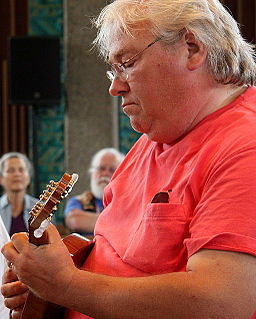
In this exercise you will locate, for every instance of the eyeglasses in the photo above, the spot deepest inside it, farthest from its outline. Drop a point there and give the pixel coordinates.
(103, 168)
(119, 70)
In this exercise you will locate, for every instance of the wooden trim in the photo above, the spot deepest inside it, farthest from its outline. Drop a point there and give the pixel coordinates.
(5, 118)
(13, 118)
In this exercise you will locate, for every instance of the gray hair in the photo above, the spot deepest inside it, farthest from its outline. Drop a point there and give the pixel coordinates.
(98, 156)
(21, 156)
(230, 58)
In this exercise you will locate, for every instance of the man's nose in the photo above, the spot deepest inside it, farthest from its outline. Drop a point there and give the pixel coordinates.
(118, 87)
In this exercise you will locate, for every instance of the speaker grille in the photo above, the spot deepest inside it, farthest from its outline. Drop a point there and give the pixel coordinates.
(34, 70)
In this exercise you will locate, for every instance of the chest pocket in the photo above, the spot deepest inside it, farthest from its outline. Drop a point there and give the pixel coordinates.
(157, 244)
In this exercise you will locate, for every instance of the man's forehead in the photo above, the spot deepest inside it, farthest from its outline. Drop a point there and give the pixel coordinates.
(123, 44)
(107, 156)
(119, 47)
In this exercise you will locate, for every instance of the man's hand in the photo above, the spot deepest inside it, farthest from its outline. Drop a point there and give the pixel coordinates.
(14, 292)
(47, 270)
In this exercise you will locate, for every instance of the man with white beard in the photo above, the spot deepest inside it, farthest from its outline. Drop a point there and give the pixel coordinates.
(82, 211)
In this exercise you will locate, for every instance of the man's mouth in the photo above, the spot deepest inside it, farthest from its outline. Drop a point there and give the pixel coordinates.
(104, 180)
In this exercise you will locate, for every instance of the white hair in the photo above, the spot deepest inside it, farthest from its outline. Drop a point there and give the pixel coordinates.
(98, 156)
(230, 58)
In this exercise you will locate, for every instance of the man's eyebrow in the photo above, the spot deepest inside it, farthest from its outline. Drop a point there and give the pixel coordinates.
(119, 54)
(116, 57)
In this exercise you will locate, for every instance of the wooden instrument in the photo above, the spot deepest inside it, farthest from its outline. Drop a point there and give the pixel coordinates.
(78, 246)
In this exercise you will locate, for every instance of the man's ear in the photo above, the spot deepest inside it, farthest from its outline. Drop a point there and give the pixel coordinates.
(196, 51)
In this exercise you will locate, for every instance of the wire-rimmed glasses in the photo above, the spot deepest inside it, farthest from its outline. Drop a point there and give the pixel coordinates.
(119, 70)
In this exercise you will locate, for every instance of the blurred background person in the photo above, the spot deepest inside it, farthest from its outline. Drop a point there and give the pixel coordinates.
(82, 211)
(15, 203)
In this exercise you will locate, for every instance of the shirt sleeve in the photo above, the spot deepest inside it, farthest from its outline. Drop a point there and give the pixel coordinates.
(225, 217)
(72, 203)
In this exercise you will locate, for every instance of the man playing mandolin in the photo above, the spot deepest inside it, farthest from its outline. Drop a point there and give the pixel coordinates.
(177, 238)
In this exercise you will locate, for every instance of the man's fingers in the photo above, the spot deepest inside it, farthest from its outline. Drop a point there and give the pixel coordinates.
(15, 296)
(53, 234)
(16, 302)
(9, 276)
(12, 247)
(19, 240)
(9, 252)
(13, 288)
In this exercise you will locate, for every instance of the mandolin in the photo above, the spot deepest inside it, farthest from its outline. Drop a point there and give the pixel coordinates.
(78, 246)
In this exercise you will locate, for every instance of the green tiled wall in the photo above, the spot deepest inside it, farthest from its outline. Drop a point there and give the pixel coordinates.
(47, 137)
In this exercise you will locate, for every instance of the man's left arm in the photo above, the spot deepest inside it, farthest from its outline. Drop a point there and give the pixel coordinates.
(216, 284)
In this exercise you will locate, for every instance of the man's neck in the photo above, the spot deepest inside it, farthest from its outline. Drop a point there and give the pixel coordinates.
(216, 98)
(232, 95)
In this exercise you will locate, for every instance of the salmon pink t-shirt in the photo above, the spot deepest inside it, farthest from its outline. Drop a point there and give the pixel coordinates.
(210, 178)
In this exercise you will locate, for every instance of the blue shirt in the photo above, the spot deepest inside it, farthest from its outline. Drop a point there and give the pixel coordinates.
(74, 203)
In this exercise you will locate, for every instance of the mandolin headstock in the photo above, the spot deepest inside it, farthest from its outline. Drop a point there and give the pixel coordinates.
(43, 210)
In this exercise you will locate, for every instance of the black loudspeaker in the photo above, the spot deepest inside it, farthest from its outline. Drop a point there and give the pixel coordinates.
(34, 70)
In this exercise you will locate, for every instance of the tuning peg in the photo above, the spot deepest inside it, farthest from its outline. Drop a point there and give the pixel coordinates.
(39, 205)
(53, 184)
(33, 212)
(69, 189)
(42, 197)
(45, 195)
(50, 188)
(64, 194)
(37, 209)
